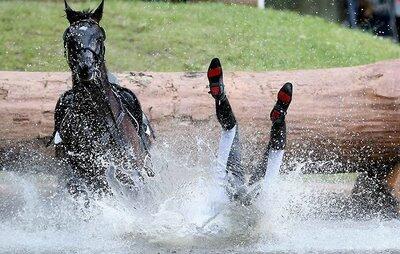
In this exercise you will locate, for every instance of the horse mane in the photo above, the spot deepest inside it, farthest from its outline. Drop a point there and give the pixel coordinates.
(82, 15)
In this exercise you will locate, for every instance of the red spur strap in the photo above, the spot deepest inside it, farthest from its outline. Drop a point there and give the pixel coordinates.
(215, 90)
(214, 72)
(284, 97)
(275, 115)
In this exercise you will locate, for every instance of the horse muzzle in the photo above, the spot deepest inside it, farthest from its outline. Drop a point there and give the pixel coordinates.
(86, 66)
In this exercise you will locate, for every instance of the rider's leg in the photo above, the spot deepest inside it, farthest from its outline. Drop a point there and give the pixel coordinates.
(229, 160)
(272, 159)
(229, 156)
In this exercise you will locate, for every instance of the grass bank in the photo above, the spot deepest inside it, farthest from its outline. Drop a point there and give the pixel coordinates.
(184, 37)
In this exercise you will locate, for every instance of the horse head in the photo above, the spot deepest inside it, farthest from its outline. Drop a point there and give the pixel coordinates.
(84, 43)
(110, 117)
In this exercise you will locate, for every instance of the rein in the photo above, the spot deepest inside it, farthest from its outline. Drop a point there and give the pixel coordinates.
(125, 132)
(113, 124)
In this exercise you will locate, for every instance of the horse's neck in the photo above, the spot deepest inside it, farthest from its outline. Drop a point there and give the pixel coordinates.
(95, 92)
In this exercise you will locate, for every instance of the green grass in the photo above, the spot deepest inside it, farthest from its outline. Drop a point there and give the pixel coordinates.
(184, 37)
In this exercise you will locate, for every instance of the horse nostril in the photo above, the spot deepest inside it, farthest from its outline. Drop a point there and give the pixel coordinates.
(85, 68)
(86, 65)
(85, 71)
(86, 61)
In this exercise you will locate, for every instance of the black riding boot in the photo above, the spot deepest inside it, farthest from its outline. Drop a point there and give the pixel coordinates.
(217, 89)
(278, 130)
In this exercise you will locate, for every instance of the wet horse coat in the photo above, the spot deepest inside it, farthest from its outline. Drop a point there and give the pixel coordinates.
(90, 136)
(98, 124)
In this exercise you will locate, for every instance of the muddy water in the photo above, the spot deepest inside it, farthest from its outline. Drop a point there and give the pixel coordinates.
(185, 209)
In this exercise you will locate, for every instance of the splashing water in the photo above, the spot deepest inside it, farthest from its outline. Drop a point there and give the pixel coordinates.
(183, 209)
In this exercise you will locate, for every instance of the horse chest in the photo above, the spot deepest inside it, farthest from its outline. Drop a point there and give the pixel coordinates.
(85, 130)
(92, 135)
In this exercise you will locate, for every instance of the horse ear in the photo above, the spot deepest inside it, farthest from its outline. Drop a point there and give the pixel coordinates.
(98, 13)
(71, 14)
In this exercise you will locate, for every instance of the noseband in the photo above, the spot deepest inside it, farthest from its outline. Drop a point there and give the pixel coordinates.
(97, 55)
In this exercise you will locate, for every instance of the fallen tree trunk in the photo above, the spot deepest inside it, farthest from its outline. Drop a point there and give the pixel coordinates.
(347, 115)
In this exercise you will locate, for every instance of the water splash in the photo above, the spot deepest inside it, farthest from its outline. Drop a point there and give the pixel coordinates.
(184, 208)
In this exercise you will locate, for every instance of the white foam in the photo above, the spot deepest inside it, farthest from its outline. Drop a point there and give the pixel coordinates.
(183, 208)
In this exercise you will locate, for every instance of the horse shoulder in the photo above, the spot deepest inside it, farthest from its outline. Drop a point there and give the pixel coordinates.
(64, 103)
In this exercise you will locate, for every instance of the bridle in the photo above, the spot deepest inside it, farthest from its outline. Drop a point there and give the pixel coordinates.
(66, 36)
(99, 56)
(114, 124)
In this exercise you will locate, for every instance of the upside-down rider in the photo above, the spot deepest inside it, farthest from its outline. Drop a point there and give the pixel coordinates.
(229, 166)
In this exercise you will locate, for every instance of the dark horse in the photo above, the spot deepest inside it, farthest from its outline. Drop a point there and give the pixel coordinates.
(100, 129)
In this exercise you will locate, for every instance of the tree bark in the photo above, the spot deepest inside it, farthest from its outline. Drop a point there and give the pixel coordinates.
(349, 116)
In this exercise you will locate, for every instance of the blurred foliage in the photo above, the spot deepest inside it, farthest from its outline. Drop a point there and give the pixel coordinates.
(161, 36)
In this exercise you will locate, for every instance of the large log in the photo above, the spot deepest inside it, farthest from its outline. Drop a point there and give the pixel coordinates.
(348, 115)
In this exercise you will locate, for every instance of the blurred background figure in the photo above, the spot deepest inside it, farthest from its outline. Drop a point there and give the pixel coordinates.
(377, 16)
(352, 11)
(381, 17)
